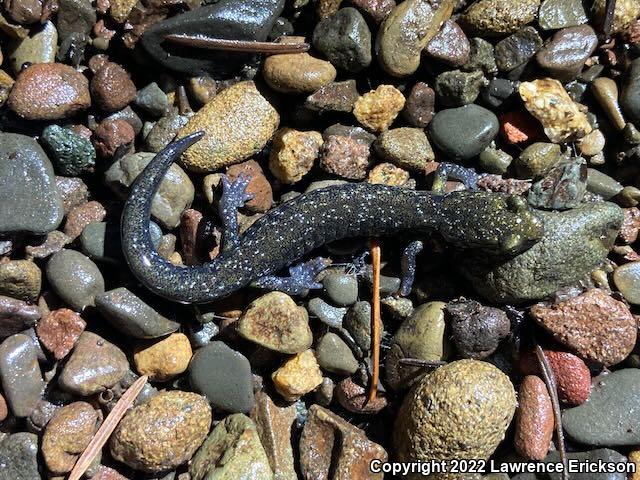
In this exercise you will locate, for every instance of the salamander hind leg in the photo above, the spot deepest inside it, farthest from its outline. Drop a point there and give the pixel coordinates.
(302, 278)
(234, 196)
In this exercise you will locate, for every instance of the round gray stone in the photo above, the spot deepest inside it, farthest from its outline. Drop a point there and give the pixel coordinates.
(74, 278)
(341, 288)
(22, 382)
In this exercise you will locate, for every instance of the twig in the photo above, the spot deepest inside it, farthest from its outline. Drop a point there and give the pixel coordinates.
(375, 321)
(550, 381)
(246, 46)
(184, 107)
(417, 362)
(106, 429)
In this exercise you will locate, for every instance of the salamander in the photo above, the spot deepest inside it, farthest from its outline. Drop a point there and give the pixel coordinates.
(495, 223)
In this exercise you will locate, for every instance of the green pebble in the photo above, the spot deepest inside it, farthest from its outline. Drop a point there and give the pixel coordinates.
(72, 154)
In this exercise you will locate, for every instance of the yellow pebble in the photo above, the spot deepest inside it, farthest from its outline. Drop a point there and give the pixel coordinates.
(298, 376)
(163, 359)
(378, 109)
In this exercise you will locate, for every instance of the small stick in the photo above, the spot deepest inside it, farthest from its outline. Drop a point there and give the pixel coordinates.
(375, 321)
(183, 101)
(247, 46)
(417, 362)
(106, 429)
(550, 381)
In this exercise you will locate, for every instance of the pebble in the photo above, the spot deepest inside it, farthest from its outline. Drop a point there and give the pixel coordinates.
(388, 174)
(274, 321)
(131, 316)
(327, 314)
(238, 123)
(20, 279)
(232, 450)
(71, 153)
(101, 241)
(420, 336)
(223, 376)
(293, 154)
(59, 331)
(461, 410)
(357, 321)
(630, 226)
(602, 184)
(17, 315)
(30, 200)
(624, 14)
(450, 45)
(297, 376)
(608, 418)
(534, 419)
(19, 457)
(353, 397)
(377, 109)
(112, 88)
(274, 422)
(258, 185)
(67, 435)
(39, 47)
(419, 107)
(494, 18)
(94, 365)
(73, 191)
(563, 187)
(152, 100)
(548, 101)
(345, 157)
(345, 39)
(592, 143)
(81, 216)
(49, 91)
(74, 278)
(498, 94)
(333, 97)
(6, 84)
(24, 11)
(481, 57)
(163, 359)
(335, 356)
(605, 91)
(164, 130)
(574, 243)
(111, 135)
(463, 132)
(175, 194)
(564, 55)
(556, 14)
(406, 32)
(330, 447)
(630, 92)
(517, 49)
(341, 288)
(495, 161)
(593, 324)
(627, 278)
(120, 9)
(22, 383)
(477, 330)
(573, 378)
(455, 88)
(162, 433)
(297, 73)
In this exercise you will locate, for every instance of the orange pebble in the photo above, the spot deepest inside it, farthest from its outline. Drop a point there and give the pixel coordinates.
(519, 127)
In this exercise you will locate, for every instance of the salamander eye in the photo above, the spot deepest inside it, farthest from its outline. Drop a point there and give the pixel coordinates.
(516, 204)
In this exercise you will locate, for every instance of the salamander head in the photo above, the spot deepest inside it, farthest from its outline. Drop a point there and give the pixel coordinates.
(493, 222)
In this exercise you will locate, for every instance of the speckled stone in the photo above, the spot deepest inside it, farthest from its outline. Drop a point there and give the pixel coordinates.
(22, 383)
(238, 122)
(163, 359)
(59, 331)
(132, 316)
(20, 279)
(333, 97)
(75, 278)
(81, 216)
(16, 316)
(39, 47)
(94, 366)
(223, 376)
(534, 419)
(354, 397)
(627, 279)
(71, 153)
(293, 154)
(162, 433)
(450, 45)
(112, 88)
(498, 17)
(19, 457)
(556, 14)
(377, 109)
(298, 376)
(326, 313)
(405, 147)
(296, 73)
(30, 200)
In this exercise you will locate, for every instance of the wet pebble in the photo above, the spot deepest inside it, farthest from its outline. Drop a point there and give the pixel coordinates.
(111, 135)
(335, 356)
(162, 433)
(534, 419)
(419, 107)
(16, 315)
(450, 45)
(49, 91)
(490, 18)
(94, 365)
(455, 88)
(345, 39)
(537, 159)
(152, 100)
(22, 383)
(19, 457)
(605, 91)
(293, 154)
(67, 435)
(72, 154)
(564, 55)
(564, 186)
(238, 123)
(81, 216)
(259, 187)
(388, 174)
(164, 130)
(30, 200)
(75, 278)
(517, 49)
(112, 88)
(297, 376)
(463, 132)
(275, 321)
(163, 359)
(377, 109)
(327, 314)
(607, 419)
(341, 288)
(602, 184)
(627, 280)
(334, 97)
(59, 331)
(39, 47)
(345, 157)
(555, 14)
(357, 321)
(20, 279)
(596, 326)
(223, 376)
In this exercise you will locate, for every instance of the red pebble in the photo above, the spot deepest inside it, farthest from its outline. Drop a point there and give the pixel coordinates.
(573, 377)
(519, 127)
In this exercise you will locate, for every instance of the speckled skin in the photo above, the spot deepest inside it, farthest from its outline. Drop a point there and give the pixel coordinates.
(492, 222)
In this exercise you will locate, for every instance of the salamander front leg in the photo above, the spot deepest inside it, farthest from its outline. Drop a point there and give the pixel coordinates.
(445, 171)
(408, 266)
(234, 196)
(302, 279)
